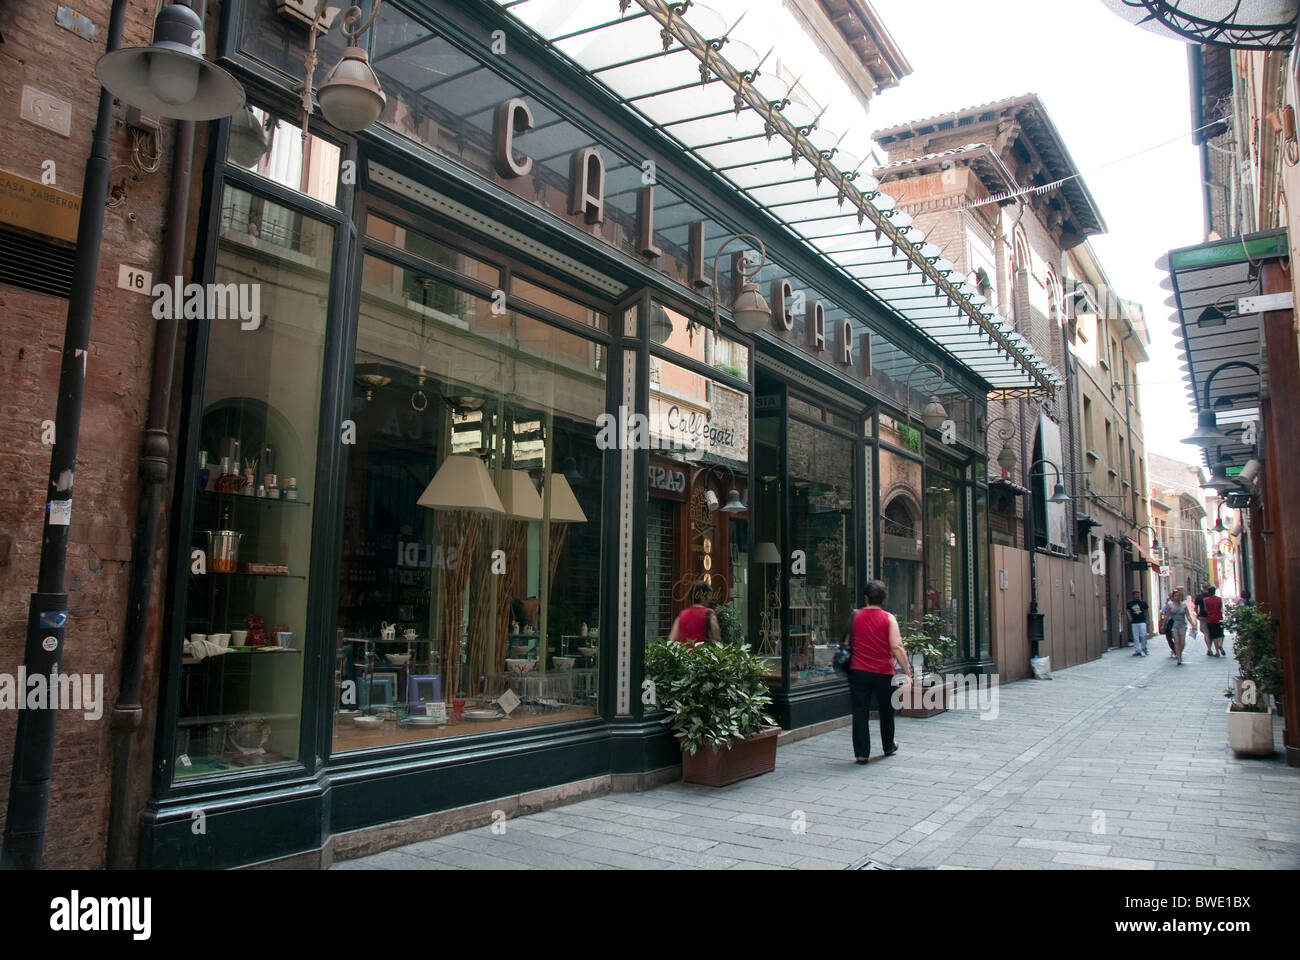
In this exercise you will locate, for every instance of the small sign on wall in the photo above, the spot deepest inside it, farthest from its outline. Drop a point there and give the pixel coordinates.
(134, 279)
(1004, 580)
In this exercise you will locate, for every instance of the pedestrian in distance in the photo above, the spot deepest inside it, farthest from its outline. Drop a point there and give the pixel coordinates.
(1214, 621)
(1181, 613)
(697, 622)
(1167, 628)
(1202, 618)
(1137, 614)
(876, 644)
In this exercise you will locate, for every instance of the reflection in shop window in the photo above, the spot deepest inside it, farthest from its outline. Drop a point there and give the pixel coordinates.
(272, 147)
(699, 510)
(472, 518)
(246, 614)
(821, 477)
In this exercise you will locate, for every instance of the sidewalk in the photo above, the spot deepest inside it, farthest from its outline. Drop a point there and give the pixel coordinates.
(1122, 762)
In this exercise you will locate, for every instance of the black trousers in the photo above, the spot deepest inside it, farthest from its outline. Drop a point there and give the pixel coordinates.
(863, 687)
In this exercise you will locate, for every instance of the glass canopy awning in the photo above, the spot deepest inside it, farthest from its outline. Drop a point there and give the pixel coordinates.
(1219, 346)
(672, 65)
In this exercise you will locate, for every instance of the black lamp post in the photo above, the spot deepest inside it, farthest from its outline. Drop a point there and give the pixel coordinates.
(173, 80)
(1058, 496)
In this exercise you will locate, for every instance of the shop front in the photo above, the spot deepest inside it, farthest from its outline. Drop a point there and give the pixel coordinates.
(487, 433)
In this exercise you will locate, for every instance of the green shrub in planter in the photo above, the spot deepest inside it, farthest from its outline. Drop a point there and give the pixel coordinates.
(729, 623)
(1255, 650)
(712, 692)
(925, 639)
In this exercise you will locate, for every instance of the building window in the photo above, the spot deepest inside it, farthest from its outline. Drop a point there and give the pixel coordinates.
(246, 640)
(472, 510)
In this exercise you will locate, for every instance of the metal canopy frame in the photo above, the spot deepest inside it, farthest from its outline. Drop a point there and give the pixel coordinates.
(733, 122)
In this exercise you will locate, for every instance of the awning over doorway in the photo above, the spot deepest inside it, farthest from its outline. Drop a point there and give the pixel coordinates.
(736, 121)
(1207, 281)
(1146, 554)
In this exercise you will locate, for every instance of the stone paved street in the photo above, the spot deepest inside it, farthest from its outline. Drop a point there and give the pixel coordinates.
(1122, 762)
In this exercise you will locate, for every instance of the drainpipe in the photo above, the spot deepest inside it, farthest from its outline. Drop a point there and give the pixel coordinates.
(155, 455)
(33, 760)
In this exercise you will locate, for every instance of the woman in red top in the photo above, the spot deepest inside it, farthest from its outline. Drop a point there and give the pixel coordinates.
(877, 644)
(697, 622)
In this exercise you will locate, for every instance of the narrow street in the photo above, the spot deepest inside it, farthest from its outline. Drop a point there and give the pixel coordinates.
(1119, 763)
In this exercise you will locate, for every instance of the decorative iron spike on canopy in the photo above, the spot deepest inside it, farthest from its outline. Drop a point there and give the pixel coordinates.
(672, 23)
(1243, 24)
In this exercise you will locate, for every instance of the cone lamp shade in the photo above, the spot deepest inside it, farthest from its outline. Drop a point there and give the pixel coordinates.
(564, 505)
(168, 78)
(462, 483)
(519, 497)
(766, 552)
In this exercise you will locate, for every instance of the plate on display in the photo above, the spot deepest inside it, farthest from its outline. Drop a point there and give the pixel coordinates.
(482, 715)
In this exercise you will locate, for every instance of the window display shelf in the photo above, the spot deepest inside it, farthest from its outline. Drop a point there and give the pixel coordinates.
(223, 497)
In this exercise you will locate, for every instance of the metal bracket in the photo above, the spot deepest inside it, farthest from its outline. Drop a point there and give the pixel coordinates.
(1265, 302)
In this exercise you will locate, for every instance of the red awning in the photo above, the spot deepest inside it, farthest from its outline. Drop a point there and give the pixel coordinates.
(1145, 553)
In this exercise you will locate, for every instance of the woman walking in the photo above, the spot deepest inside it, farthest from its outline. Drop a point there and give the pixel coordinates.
(1181, 616)
(697, 622)
(876, 645)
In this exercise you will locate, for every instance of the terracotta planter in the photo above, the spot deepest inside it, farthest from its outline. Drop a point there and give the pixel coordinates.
(1250, 733)
(750, 757)
(928, 699)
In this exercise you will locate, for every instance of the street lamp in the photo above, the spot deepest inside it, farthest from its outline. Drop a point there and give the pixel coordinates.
(734, 504)
(1058, 496)
(191, 89)
(749, 310)
(1155, 541)
(350, 96)
(933, 414)
(170, 77)
(1207, 432)
(1007, 458)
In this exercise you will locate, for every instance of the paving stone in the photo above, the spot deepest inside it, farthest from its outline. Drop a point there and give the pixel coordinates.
(1020, 792)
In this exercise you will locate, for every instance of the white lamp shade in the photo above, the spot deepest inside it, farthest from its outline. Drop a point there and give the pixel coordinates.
(461, 483)
(518, 495)
(766, 552)
(564, 505)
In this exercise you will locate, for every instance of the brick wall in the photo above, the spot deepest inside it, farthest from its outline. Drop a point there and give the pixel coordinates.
(37, 53)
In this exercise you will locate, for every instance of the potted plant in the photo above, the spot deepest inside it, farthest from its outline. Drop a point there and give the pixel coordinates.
(927, 645)
(715, 700)
(1250, 721)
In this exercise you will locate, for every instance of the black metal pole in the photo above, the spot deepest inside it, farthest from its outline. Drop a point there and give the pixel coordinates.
(29, 786)
(155, 457)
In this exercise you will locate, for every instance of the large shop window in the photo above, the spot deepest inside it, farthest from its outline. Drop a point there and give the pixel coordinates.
(471, 559)
(823, 577)
(946, 554)
(699, 518)
(246, 604)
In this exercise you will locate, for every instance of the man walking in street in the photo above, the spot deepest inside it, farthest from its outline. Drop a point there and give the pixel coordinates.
(1137, 614)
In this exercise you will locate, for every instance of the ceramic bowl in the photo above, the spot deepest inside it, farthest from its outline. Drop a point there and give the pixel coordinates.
(521, 666)
(367, 721)
(588, 651)
(398, 659)
(564, 663)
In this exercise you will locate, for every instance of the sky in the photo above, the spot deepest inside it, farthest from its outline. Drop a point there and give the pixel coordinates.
(1113, 90)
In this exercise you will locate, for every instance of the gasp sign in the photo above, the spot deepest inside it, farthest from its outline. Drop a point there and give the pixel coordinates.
(587, 199)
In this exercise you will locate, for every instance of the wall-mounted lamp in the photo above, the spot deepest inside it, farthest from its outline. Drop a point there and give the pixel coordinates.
(750, 310)
(1007, 458)
(933, 414)
(169, 78)
(350, 96)
(1207, 432)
